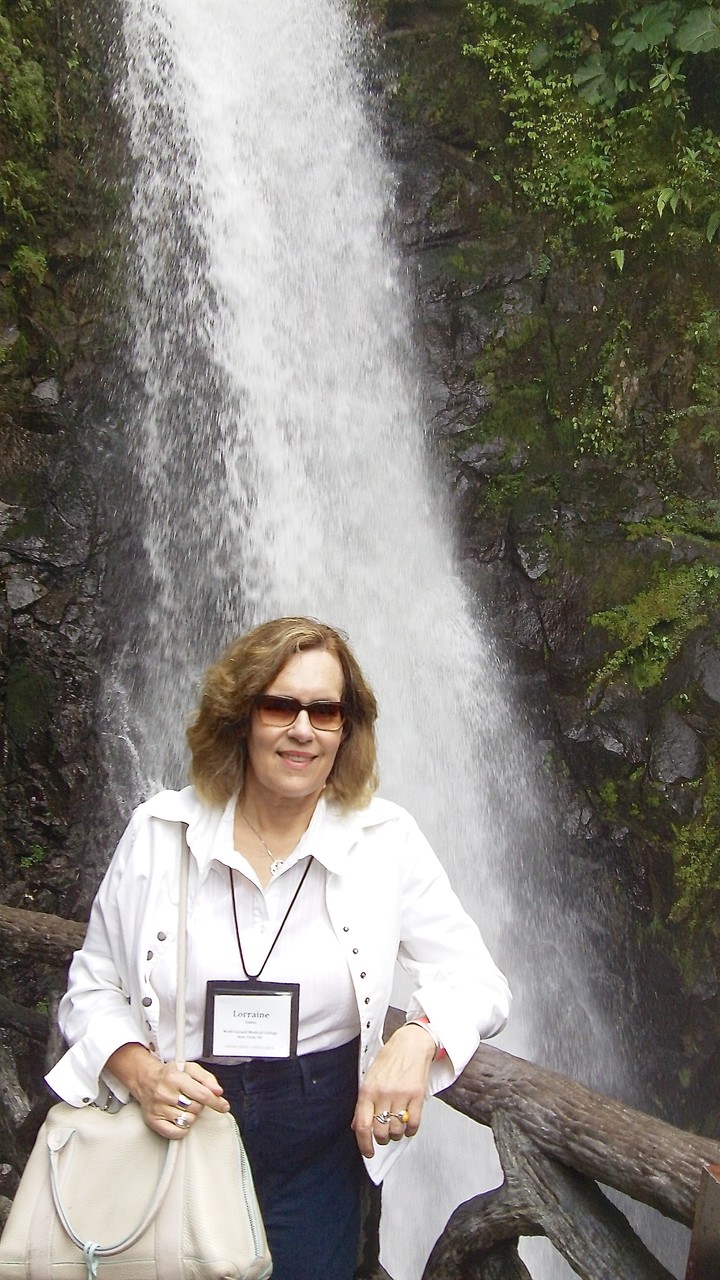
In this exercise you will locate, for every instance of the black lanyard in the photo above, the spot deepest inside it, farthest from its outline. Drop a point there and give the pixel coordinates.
(254, 976)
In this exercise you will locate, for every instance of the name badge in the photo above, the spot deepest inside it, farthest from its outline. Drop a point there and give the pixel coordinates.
(250, 1020)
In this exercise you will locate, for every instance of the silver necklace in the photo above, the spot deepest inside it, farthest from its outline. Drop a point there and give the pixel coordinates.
(275, 863)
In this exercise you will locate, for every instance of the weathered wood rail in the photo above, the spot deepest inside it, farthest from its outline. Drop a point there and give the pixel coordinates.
(556, 1140)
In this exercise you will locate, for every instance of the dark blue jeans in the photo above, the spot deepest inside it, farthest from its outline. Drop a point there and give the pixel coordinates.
(294, 1115)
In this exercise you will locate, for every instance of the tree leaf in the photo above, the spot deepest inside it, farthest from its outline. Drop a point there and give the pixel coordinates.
(538, 55)
(712, 226)
(650, 27)
(593, 81)
(700, 31)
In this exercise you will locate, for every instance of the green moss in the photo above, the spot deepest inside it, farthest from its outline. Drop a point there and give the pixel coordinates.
(651, 628)
(517, 413)
(500, 495)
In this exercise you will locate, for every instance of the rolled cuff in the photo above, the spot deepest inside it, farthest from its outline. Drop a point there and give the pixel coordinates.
(459, 1036)
(79, 1075)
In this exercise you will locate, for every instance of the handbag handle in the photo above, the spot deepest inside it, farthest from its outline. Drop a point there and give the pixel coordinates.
(92, 1251)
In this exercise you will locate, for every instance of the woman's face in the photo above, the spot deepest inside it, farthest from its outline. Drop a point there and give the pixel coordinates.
(293, 764)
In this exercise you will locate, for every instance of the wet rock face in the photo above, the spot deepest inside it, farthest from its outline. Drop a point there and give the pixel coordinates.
(51, 565)
(558, 536)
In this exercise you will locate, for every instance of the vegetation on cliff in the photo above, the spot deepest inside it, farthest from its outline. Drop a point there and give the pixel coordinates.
(577, 245)
(51, 191)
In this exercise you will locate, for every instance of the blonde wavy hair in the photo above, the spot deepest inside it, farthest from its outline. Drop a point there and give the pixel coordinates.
(219, 728)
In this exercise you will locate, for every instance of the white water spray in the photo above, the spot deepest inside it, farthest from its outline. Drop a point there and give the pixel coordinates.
(280, 457)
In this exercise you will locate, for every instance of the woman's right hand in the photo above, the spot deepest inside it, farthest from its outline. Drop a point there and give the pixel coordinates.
(166, 1093)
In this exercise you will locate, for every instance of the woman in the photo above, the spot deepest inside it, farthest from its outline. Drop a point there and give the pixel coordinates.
(299, 878)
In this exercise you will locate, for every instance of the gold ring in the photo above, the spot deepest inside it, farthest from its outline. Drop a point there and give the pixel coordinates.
(402, 1116)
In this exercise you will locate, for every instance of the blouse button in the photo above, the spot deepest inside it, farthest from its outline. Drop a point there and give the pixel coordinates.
(367, 999)
(86, 1100)
(363, 975)
(149, 955)
(147, 1000)
(368, 1025)
(346, 928)
(355, 951)
(162, 937)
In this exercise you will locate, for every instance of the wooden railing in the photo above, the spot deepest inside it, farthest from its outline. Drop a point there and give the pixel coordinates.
(556, 1141)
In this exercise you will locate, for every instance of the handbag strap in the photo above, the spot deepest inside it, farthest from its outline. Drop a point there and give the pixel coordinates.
(182, 949)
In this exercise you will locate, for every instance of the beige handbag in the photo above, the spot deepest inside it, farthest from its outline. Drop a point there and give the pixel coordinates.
(103, 1185)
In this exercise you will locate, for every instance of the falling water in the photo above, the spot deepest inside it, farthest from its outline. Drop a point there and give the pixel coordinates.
(280, 464)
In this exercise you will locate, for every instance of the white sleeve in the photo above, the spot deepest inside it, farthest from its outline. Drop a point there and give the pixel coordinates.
(457, 985)
(95, 1015)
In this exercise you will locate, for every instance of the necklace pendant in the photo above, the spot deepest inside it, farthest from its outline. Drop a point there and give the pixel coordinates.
(275, 866)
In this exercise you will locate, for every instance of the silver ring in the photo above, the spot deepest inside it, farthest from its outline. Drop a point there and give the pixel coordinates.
(383, 1117)
(183, 1101)
(182, 1122)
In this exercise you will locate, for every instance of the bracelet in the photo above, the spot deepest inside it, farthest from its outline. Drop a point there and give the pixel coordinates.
(424, 1022)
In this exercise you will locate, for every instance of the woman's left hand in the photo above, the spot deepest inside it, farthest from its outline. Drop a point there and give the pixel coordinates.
(395, 1086)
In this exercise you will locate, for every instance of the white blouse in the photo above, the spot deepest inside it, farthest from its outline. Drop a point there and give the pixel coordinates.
(307, 950)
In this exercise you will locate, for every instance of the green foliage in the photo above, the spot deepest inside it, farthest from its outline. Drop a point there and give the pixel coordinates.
(51, 73)
(34, 857)
(652, 627)
(500, 494)
(24, 96)
(608, 125)
(697, 858)
(25, 112)
(29, 265)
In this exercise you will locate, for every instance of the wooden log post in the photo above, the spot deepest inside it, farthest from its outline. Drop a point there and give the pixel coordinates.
(704, 1260)
(539, 1196)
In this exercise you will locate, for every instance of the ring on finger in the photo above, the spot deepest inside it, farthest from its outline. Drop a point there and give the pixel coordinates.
(403, 1116)
(383, 1117)
(182, 1121)
(183, 1101)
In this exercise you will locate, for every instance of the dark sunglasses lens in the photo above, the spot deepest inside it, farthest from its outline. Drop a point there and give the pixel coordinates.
(325, 715)
(277, 713)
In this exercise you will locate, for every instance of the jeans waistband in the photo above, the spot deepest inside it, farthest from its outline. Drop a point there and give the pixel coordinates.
(306, 1066)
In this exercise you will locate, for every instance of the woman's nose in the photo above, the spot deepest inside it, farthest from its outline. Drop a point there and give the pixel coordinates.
(301, 727)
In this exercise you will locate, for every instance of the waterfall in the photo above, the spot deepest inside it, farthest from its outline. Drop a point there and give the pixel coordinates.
(275, 428)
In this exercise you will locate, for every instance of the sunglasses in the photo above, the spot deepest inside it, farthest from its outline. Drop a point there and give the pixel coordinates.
(279, 713)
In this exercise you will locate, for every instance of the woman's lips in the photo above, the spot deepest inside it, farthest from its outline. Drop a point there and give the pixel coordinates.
(297, 759)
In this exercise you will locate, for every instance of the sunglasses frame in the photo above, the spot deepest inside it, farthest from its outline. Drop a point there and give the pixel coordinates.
(292, 703)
